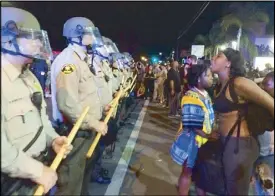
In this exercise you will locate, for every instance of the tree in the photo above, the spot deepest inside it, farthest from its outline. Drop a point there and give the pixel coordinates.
(209, 49)
(212, 40)
(242, 16)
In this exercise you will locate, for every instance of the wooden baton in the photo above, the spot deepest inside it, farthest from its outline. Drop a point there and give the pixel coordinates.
(58, 158)
(107, 118)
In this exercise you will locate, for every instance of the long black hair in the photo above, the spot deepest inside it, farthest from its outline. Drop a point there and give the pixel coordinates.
(194, 72)
(237, 68)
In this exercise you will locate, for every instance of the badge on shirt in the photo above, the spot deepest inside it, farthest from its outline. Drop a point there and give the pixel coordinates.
(68, 69)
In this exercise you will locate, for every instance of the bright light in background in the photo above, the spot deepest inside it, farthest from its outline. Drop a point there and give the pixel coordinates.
(143, 58)
(272, 44)
(154, 59)
(234, 45)
(222, 47)
(160, 61)
(260, 62)
(160, 53)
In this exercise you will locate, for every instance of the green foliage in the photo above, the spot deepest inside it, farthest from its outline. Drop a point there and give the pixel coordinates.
(244, 15)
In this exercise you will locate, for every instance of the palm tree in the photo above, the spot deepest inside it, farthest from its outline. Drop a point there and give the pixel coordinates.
(241, 17)
(204, 40)
(212, 40)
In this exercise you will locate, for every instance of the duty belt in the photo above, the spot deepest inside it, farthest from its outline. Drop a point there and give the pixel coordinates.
(65, 128)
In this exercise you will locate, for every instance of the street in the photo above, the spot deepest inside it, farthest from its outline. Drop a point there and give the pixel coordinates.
(141, 164)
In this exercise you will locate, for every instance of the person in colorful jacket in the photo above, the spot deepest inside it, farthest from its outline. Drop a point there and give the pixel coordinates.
(197, 123)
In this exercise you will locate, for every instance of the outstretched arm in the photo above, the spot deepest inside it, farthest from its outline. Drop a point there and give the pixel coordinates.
(250, 91)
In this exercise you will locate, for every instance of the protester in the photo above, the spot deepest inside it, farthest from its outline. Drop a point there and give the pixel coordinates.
(183, 75)
(140, 70)
(149, 83)
(157, 72)
(162, 78)
(166, 88)
(174, 89)
(192, 60)
(237, 161)
(264, 166)
(197, 121)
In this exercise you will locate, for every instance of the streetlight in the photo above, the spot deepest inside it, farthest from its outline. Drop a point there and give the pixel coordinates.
(142, 58)
(160, 53)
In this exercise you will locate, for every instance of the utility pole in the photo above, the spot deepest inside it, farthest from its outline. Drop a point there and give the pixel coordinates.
(239, 38)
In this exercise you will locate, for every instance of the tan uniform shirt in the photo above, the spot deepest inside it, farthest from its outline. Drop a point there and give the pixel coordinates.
(20, 121)
(104, 92)
(108, 71)
(115, 81)
(76, 87)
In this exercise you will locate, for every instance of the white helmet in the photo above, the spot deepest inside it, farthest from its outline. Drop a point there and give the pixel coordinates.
(78, 27)
(21, 35)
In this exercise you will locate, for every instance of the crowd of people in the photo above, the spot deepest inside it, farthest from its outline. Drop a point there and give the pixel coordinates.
(164, 83)
(222, 112)
(227, 146)
(89, 72)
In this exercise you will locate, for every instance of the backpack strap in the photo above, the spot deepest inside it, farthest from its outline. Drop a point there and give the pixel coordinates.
(235, 99)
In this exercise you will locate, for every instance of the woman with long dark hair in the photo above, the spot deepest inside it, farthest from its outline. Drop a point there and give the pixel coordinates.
(241, 150)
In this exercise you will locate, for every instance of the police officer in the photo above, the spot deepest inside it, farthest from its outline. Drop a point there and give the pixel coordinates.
(116, 73)
(112, 50)
(73, 88)
(99, 61)
(102, 79)
(26, 131)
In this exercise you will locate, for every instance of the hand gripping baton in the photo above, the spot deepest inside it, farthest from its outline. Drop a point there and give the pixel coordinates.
(109, 114)
(57, 160)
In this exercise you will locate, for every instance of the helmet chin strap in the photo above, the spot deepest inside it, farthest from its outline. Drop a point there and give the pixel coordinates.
(70, 41)
(17, 52)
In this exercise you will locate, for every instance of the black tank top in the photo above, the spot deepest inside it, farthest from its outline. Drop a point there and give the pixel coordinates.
(223, 105)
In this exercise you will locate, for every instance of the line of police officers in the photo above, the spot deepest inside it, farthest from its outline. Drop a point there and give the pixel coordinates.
(88, 72)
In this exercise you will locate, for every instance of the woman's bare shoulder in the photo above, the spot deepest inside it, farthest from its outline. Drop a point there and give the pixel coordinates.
(242, 83)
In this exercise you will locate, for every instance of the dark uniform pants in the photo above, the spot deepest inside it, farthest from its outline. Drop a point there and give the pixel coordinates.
(73, 170)
(25, 190)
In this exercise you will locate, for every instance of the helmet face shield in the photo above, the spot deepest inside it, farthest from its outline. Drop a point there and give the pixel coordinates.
(34, 43)
(102, 50)
(111, 48)
(118, 59)
(91, 36)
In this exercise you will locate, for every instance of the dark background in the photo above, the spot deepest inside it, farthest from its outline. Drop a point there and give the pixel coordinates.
(138, 27)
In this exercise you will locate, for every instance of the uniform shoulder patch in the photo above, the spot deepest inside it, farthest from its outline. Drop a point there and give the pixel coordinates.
(68, 69)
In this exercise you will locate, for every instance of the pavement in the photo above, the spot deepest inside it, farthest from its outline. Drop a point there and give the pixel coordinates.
(141, 164)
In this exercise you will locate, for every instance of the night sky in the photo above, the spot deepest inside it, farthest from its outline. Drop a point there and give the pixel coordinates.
(137, 27)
